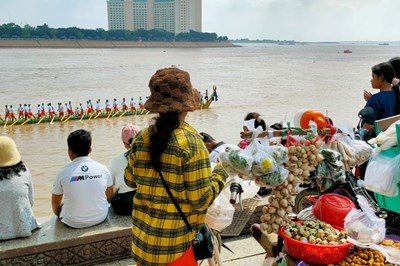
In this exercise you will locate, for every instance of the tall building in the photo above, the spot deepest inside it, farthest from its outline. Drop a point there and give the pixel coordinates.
(175, 16)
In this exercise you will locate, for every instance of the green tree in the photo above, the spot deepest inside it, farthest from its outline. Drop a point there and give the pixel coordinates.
(12, 30)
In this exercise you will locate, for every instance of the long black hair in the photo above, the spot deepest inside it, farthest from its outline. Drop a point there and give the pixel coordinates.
(386, 71)
(9, 171)
(259, 121)
(395, 62)
(160, 134)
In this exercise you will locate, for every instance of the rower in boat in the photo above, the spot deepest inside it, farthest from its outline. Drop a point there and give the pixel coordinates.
(132, 105)
(124, 105)
(108, 107)
(89, 105)
(70, 110)
(21, 111)
(98, 107)
(50, 111)
(43, 110)
(12, 113)
(60, 110)
(215, 95)
(26, 111)
(115, 107)
(7, 113)
(39, 112)
(141, 103)
(29, 110)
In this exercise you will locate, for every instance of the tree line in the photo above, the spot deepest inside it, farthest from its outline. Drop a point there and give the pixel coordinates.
(14, 31)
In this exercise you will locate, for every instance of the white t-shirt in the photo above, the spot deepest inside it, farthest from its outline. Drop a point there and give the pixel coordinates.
(117, 168)
(215, 152)
(83, 183)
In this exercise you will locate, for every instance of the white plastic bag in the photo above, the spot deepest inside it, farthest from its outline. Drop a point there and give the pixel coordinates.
(307, 215)
(392, 255)
(250, 189)
(382, 174)
(236, 161)
(363, 225)
(263, 162)
(220, 213)
(362, 150)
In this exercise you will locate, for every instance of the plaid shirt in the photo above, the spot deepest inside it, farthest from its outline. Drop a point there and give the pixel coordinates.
(160, 235)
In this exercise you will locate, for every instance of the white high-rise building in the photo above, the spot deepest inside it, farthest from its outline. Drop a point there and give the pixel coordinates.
(175, 16)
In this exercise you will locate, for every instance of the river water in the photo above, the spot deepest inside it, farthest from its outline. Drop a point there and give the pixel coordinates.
(274, 80)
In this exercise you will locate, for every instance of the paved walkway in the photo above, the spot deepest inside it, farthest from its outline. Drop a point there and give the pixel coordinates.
(247, 252)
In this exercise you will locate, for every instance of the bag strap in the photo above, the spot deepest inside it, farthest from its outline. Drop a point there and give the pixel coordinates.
(175, 202)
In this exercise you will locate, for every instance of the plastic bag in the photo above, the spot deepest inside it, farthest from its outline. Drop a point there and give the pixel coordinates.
(274, 178)
(362, 150)
(386, 139)
(363, 225)
(220, 213)
(382, 174)
(263, 162)
(250, 189)
(236, 161)
(331, 167)
(307, 215)
(392, 255)
(279, 152)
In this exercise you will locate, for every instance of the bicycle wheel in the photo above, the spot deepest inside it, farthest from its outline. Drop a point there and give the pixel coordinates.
(217, 240)
(305, 199)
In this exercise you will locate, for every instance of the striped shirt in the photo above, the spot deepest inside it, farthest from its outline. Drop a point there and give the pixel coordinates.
(159, 233)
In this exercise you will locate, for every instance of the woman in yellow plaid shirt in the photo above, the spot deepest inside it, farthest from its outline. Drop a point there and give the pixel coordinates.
(172, 146)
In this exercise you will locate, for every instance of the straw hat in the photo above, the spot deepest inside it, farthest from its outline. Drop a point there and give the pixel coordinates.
(9, 154)
(171, 91)
(129, 132)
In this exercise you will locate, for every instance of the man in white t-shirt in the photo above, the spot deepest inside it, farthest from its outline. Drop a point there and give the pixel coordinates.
(122, 200)
(213, 146)
(82, 188)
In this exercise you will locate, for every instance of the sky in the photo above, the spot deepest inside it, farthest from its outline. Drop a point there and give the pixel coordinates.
(299, 20)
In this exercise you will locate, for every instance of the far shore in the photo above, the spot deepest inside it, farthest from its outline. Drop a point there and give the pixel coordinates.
(108, 44)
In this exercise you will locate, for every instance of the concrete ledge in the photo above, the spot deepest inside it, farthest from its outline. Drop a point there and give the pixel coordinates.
(56, 244)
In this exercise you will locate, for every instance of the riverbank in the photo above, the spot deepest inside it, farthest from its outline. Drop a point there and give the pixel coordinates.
(108, 44)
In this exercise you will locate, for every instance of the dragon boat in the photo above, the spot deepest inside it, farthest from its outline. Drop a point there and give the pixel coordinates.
(93, 116)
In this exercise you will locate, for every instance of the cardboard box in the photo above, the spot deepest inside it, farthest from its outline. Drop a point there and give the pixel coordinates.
(383, 124)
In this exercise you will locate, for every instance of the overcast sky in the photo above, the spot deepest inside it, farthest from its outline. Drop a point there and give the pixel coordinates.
(300, 20)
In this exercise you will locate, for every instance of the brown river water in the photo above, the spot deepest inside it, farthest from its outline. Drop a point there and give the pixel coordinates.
(274, 80)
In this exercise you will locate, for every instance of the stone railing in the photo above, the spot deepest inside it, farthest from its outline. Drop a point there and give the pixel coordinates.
(56, 244)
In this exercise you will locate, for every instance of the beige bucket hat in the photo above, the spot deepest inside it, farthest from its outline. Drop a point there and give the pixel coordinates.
(9, 154)
(171, 91)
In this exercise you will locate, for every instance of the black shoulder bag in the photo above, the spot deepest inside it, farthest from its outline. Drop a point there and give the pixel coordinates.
(202, 242)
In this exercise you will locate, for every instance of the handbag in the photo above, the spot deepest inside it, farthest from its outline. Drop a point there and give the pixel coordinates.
(202, 242)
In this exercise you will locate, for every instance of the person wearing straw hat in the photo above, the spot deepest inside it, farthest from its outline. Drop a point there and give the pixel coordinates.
(122, 199)
(175, 150)
(16, 193)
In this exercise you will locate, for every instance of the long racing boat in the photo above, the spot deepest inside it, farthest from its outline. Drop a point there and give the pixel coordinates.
(57, 119)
